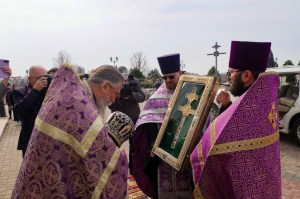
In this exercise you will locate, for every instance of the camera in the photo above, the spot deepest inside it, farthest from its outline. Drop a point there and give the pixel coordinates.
(126, 90)
(49, 79)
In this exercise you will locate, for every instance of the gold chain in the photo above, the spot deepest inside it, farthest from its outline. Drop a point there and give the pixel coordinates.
(167, 97)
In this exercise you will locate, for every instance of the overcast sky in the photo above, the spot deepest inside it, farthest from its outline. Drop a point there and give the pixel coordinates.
(92, 31)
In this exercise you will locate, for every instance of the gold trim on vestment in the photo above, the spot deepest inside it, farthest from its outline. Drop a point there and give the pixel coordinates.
(114, 138)
(212, 142)
(197, 193)
(80, 147)
(83, 82)
(87, 86)
(268, 73)
(212, 134)
(106, 173)
(244, 144)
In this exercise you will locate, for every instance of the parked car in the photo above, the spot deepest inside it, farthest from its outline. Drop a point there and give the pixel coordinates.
(288, 101)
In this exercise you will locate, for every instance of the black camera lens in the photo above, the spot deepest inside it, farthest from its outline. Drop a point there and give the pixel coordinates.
(49, 79)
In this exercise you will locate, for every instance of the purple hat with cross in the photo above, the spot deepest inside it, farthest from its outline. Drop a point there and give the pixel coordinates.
(253, 56)
(169, 63)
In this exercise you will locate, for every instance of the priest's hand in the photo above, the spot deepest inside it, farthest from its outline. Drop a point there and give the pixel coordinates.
(40, 84)
(224, 98)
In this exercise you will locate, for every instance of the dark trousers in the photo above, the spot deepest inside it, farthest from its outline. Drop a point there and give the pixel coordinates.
(9, 112)
(2, 109)
(16, 116)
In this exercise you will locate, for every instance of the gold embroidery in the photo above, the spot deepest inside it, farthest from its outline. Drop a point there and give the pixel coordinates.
(60, 135)
(200, 155)
(244, 144)
(82, 82)
(268, 73)
(87, 86)
(106, 173)
(115, 138)
(186, 110)
(212, 141)
(212, 134)
(197, 193)
(273, 116)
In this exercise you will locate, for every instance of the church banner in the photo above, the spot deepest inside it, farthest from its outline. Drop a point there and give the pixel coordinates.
(185, 118)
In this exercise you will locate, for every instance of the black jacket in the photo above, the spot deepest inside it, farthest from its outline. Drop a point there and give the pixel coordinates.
(130, 106)
(27, 105)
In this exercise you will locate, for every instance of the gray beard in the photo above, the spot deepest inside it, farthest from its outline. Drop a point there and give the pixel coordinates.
(101, 106)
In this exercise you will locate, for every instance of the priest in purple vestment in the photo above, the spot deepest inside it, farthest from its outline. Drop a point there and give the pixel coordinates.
(155, 177)
(239, 154)
(70, 154)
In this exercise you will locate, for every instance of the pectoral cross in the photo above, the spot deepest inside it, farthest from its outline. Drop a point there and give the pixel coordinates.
(186, 110)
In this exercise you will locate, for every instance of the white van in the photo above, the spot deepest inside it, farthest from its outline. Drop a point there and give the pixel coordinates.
(288, 100)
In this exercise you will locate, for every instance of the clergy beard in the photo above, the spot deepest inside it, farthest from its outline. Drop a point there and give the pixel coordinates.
(237, 87)
(102, 104)
(171, 86)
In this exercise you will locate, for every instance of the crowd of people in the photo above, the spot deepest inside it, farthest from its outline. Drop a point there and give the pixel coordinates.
(69, 151)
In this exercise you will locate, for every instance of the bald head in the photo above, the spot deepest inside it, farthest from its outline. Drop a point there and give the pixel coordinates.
(35, 73)
(33, 70)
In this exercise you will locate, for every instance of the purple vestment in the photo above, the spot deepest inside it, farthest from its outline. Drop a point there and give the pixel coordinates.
(70, 154)
(154, 112)
(239, 154)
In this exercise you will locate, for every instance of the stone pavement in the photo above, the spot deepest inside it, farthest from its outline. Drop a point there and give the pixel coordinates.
(10, 160)
(290, 167)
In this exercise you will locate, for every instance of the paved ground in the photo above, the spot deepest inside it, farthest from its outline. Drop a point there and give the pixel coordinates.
(10, 161)
(290, 167)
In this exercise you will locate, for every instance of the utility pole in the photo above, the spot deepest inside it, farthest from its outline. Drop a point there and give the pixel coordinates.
(216, 54)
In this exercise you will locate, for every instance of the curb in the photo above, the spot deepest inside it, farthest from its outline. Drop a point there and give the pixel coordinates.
(3, 130)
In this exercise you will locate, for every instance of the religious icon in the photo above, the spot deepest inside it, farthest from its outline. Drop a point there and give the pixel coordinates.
(185, 118)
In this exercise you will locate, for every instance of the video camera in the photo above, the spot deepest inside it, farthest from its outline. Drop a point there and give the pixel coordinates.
(126, 90)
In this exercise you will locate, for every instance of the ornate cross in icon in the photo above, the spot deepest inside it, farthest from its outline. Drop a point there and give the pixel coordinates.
(186, 110)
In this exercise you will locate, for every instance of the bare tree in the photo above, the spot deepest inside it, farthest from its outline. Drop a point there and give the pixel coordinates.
(62, 57)
(139, 60)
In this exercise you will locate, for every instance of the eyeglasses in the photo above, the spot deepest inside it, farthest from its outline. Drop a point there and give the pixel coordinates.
(36, 77)
(229, 73)
(170, 77)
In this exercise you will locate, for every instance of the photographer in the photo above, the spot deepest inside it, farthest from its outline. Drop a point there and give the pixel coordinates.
(128, 101)
(28, 101)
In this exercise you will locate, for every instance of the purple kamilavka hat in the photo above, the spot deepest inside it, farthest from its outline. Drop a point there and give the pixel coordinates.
(251, 56)
(169, 63)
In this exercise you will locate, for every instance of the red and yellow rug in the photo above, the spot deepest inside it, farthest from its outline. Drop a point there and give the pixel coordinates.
(134, 191)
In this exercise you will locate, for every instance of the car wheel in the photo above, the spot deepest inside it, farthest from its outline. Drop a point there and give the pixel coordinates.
(296, 130)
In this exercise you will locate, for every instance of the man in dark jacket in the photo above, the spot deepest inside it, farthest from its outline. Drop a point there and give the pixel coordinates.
(130, 96)
(128, 101)
(158, 84)
(28, 101)
(10, 102)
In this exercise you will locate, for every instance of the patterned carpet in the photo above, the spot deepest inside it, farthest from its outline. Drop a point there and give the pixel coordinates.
(134, 191)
